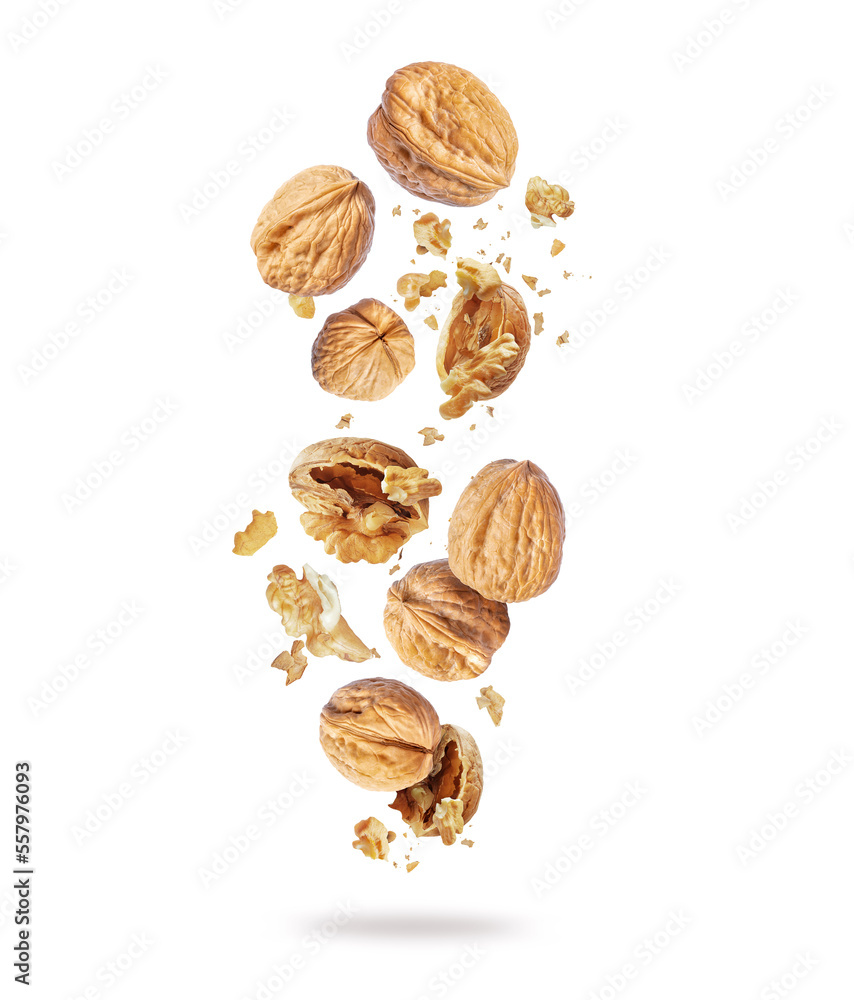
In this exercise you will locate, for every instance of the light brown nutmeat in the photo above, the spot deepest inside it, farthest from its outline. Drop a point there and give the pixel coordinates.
(373, 838)
(443, 135)
(363, 352)
(258, 532)
(544, 200)
(431, 235)
(505, 539)
(315, 232)
(493, 702)
(440, 627)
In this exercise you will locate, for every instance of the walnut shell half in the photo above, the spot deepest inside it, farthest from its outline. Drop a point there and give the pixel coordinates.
(440, 627)
(443, 802)
(443, 135)
(506, 534)
(380, 734)
(481, 348)
(363, 352)
(340, 483)
(315, 232)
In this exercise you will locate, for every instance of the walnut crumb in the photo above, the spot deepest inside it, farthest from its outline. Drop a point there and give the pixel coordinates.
(344, 421)
(490, 410)
(563, 338)
(472, 427)
(567, 274)
(467, 843)
(431, 435)
(544, 291)
(492, 701)
(480, 224)
(303, 306)
(530, 282)
(258, 532)
(293, 663)
(432, 322)
(499, 258)
(412, 864)
(396, 210)
(557, 246)
(538, 324)
(394, 569)
(373, 838)
(507, 264)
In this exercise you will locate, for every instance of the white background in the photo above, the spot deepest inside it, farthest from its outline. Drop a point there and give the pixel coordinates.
(645, 112)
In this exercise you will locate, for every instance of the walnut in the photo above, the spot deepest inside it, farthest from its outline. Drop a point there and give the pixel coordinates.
(380, 734)
(293, 662)
(557, 246)
(431, 435)
(432, 235)
(443, 135)
(315, 232)
(311, 607)
(506, 533)
(414, 285)
(258, 532)
(339, 482)
(482, 346)
(363, 352)
(493, 702)
(302, 306)
(477, 279)
(440, 627)
(409, 485)
(440, 804)
(545, 200)
(373, 838)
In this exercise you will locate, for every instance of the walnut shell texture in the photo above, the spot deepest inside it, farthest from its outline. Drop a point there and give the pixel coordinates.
(482, 348)
(443, 135)
(363, 352)
(339, 482)
(444, 801)
(380, 734)
(315, 232)
(505, 539)
(440, 627)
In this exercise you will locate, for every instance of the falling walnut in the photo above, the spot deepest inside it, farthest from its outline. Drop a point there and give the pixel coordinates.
(344, 421)
(302, 305)
(258, 532)
(545, 200)
(492, 701)
(293, 662)
(431, 235)
(414, 286)
(431, 435)
(409, 485)
(373, 838)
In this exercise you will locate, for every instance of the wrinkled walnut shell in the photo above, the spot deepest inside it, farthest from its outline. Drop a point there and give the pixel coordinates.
(339, 482)
(443, 802)
(506, 534)
(380, 734)
(315, 232)
(443, 135)
(440, 627)
(363, 352)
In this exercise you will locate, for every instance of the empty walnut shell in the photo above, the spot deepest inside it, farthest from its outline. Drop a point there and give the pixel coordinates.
(443, 135)
(315, 232)
(339, 482)
(363, 352)
(380, 734)
(506, 534)
(443, 802)
(481, 348)
(440, 627)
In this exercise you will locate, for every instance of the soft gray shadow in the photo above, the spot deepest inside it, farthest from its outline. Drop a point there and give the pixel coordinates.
(426, 926)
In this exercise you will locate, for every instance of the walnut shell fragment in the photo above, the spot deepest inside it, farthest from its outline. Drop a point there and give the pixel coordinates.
(373, 838)
(380, 734)
(339, 482)
(443, 135)
(445, 800)
(311, 607)
(409, 485)
(315, 232)
(544, 200)
(482, 347)
(505, 539)
(363, 352)
(293, 662)
(258, 532)
(493, 702)
(440, 627)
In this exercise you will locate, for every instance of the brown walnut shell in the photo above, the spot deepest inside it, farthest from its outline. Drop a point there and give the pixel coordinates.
(506, 534)
(380, 734)
(315, 232)
(340, 483)
(443, 135)
(363, 352)
(481, 348)
(440, 627)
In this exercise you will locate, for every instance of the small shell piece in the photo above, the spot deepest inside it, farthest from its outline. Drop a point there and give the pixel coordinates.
(440, 627)
(505, 539)
(380, 734)
(363, 352)
(339, 482)
(315, 232)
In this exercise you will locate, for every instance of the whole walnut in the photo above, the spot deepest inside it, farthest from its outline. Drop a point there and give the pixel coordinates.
(505, 539)
(363, 352)
(315, 232)
(440, 627)
(443, 135)
(340, 483)
(380, 734)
